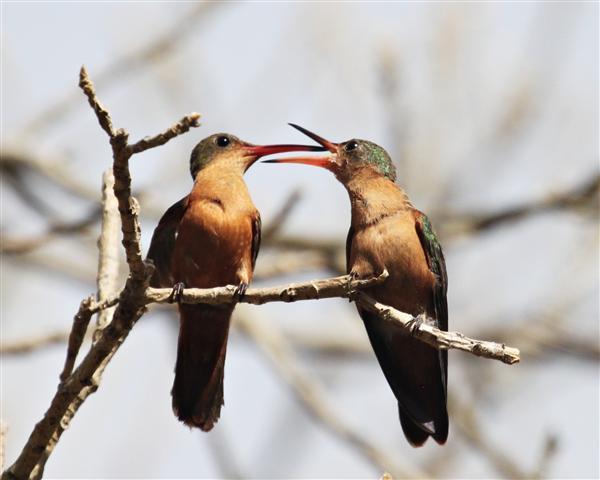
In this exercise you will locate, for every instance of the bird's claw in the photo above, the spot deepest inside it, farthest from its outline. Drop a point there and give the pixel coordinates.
(351, 277)
(240, 291)
(415, 324)
(176, 293)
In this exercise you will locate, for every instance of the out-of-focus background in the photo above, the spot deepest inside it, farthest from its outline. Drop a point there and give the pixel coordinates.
(490, 112)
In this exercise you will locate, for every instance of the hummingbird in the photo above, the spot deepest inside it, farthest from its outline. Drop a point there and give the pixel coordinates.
(209, 238)
(388, 233)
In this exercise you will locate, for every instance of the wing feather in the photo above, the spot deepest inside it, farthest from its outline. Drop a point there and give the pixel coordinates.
(163, 243)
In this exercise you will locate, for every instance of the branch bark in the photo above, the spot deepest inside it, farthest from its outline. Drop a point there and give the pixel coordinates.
(422, 328)
(108, 250)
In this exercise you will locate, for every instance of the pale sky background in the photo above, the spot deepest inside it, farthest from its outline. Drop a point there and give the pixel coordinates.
(458, 69)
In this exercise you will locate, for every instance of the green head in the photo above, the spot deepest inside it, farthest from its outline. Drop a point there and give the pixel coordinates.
(347, 158)
(358, 153)
(235, 153)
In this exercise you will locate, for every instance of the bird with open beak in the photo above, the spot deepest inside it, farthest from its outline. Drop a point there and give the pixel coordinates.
(209, 238)
(388, 233)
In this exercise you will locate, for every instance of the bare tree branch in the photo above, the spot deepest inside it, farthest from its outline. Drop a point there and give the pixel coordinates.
(32, 344)
(75, 387)
(108, 250)
(422, 328)
(585, 194)
(281, 216)
(122, 151)
(187, 122)
(467, 425)
(311, 290)
(80, 324)
(24, 245)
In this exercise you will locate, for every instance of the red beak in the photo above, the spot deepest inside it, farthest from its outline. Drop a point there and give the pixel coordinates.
(263, 150)
(328, 162)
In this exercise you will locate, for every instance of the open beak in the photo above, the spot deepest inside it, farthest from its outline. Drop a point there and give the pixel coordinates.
(328, 162)
(332, 147)
(258, 151)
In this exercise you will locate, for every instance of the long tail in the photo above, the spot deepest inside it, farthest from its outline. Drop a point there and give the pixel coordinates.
(414, 372)
(198, 387)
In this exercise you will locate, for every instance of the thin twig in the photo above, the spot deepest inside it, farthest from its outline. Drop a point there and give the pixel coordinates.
(81, 320)
(585, 194)
(549, 451)
(423, 329)
(281, 216)
(24, 245)
(122, 151)
(467, 425)
(182, 126)
(108, 250)
(32, 344)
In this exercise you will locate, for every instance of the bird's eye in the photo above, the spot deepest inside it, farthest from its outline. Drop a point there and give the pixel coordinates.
(223, 141)
(351, 145)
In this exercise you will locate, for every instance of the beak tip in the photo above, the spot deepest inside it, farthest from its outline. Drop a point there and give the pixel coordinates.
(330, 146)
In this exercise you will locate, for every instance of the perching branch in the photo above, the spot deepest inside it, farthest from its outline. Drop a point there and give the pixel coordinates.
(312, 290)
(343, 287)
(422, 329)
(337, 287)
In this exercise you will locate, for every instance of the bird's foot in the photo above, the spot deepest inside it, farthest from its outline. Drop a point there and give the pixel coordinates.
(176, 293)
(240, 291)
(415, 324)
(351, 277)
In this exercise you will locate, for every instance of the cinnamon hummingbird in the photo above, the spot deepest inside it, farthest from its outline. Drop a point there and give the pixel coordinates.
(388, 233)
(209, 238)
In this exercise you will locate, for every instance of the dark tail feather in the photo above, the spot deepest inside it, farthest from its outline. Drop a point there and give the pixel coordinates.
(416, 375)
(417, 434)
(441, 429)
(198, 387)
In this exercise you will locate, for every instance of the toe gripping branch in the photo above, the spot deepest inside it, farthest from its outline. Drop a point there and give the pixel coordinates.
(240, 291)
(351, 277)
(415, 324)
(176, 293)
